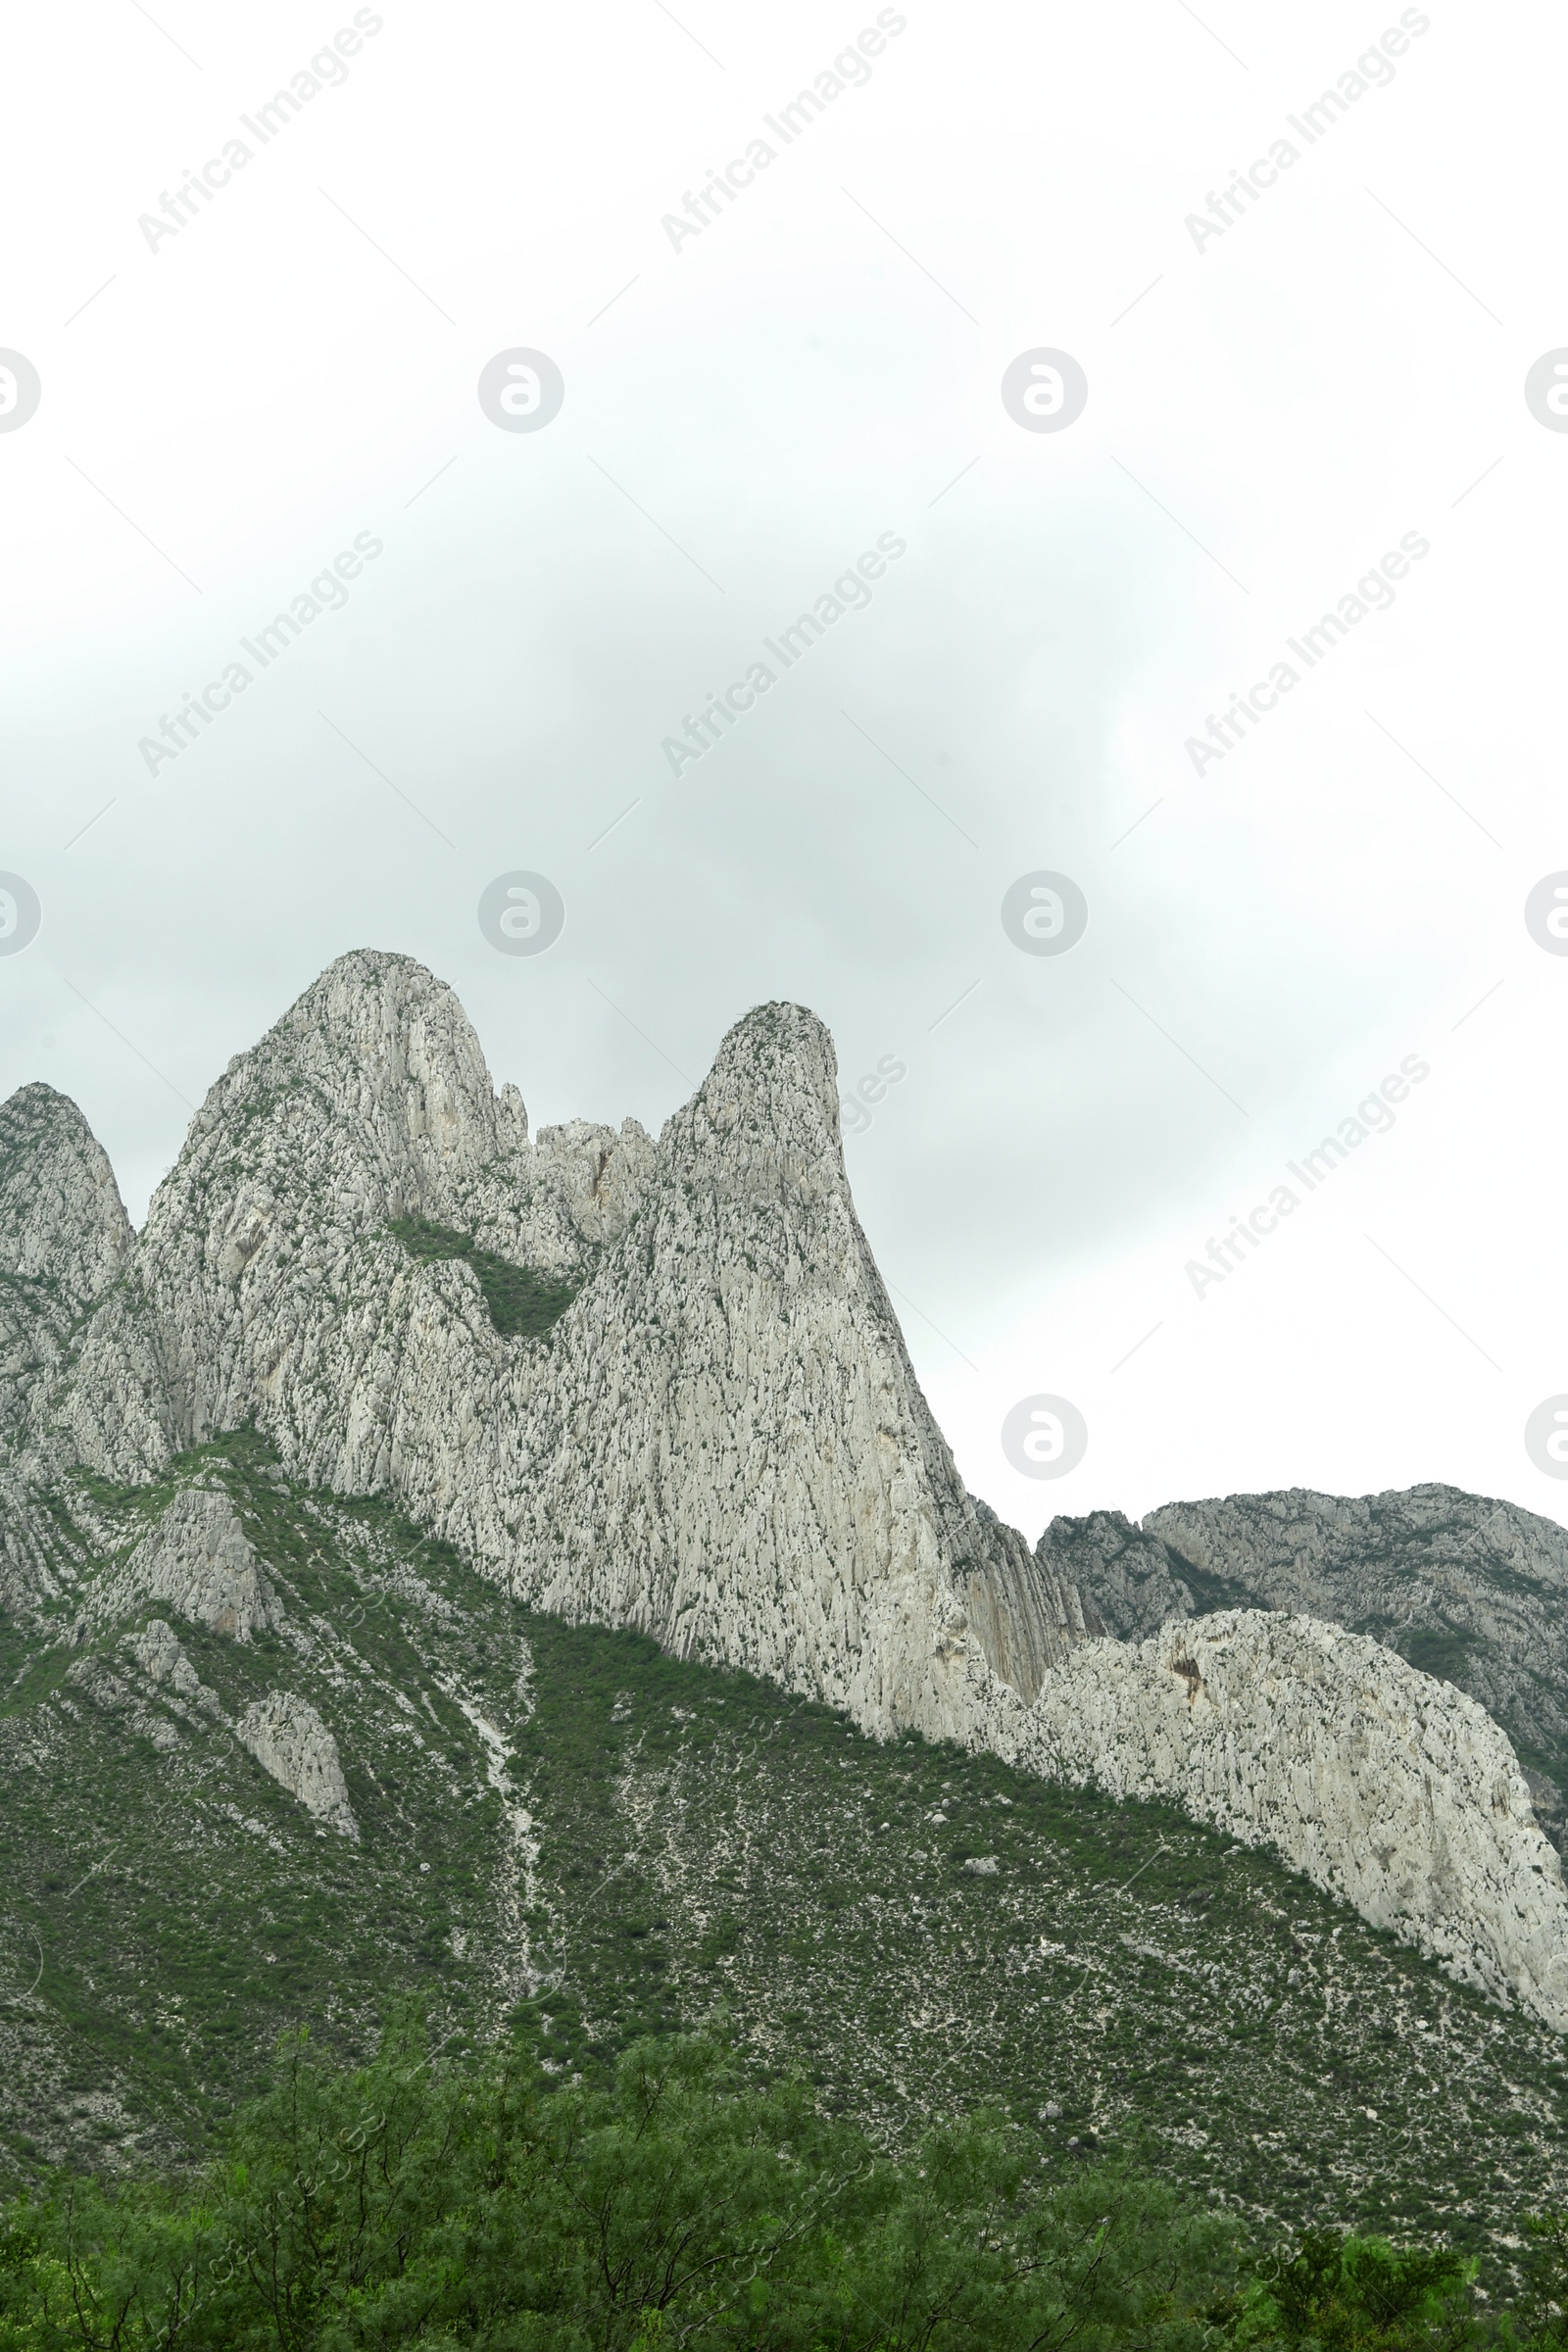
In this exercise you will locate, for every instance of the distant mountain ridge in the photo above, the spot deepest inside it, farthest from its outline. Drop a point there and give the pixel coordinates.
(1471, 1590)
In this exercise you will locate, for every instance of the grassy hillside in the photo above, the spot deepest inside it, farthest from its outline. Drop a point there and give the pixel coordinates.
(567, 1821)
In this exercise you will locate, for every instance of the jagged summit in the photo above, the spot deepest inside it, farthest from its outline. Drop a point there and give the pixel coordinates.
(734, 1453)
(386, 1046)
(725, 1443)
(660, 1385)
(64, 1238)
(62, 1220)
(367, 1104)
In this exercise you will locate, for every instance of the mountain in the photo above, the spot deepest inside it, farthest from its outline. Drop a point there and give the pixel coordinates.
(723, 1441)
(1472, 1592)
(311, 1488)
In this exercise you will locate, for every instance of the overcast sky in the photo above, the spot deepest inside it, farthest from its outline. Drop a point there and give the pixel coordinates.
(1284, 387)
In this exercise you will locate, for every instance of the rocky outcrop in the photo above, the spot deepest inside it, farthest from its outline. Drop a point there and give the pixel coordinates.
(62, 1222)
(1472, 1591)
(1375, 1782)
(64, 1238)
(597, 1176)
(1130, 1583)
(199, 1561)
(288, 1739)
(160, 1654)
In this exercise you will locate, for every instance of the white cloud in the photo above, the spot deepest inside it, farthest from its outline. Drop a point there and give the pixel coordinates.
(822, 366)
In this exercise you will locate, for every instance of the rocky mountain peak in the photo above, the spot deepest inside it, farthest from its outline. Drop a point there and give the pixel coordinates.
(62, 1220)
(386, 1048)
(367, 1106)
(733, 1451)
(64, 1238)
(773, 1083)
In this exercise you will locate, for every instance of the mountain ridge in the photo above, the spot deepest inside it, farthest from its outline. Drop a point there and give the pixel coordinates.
(720, 1442)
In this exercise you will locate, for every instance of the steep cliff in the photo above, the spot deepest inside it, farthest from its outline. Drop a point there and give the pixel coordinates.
(64, 1238)
(721, 1442)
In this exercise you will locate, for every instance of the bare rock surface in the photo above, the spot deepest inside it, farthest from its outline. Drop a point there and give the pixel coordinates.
(731, 1451)
(199, 1561)
(161, 1655)
(64, 1238)
(288, 1739)
(1130, 1582)
(267, 1268)
(62, 1221)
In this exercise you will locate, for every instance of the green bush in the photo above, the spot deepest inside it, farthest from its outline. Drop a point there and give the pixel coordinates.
(504, 2203)
(1358, 2294)
(675, 2205)
(523, 1304)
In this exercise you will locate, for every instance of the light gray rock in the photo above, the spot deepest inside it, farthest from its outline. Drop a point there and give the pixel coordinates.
(288, 1739)
(161, 1655)
(596, 1174)
(64, 1238)
(62, 1221)
(199, 1561)
(1392, 1791)
(1129, 1582)
(266, 1267)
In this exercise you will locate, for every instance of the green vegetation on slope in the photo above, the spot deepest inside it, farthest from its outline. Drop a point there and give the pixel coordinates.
(523, 1305)
(565, 1823)
(177, 1907)
(923, 1927)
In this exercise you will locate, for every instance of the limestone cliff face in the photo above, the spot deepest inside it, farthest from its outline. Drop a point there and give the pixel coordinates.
(62, 1221)
(1131, 1581)
(265, 1264)
(1388, 1789)
(64, 1238)
(721, 1441)
(732, 1450)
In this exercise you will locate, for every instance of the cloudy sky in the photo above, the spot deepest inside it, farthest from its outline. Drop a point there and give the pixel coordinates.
(1287, 383)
